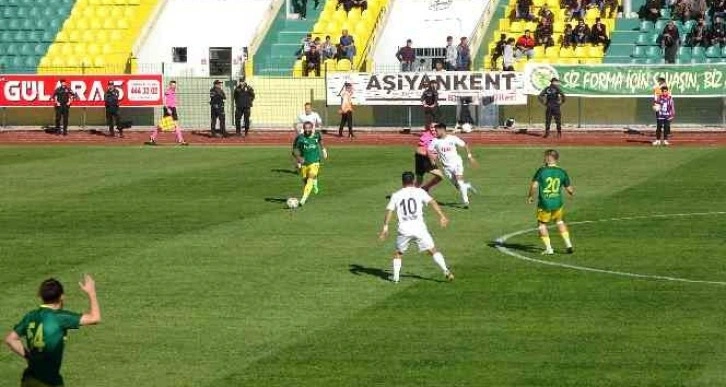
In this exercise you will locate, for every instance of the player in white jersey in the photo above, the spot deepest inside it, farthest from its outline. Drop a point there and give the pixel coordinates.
(444, 147)
(408, 204)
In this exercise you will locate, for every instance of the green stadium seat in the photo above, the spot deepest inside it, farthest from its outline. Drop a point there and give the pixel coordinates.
(659, 25)
(639, 60)
(653, 39)
(20, 36)
(699, 53)
(688, 26)
(723, 52)
(33, 36)
(7, 36)
(646, 26)
(27, 49)
(11, 49)
(41, 49)
(4, 60)
(18, 63)
(712, 52)
(685, 60)
(47, 37)
(643, 40)
(654, 52)
(22, 13)
(14, 24)
(665, 13)
(28, 24)
(638, 52)
(652, 61)
(9, 13)
(684, 51)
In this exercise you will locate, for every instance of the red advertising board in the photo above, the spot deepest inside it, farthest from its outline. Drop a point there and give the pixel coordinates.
(33, 90)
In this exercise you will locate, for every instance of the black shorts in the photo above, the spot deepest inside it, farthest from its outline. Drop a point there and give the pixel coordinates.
(423, 164)
(173, 113)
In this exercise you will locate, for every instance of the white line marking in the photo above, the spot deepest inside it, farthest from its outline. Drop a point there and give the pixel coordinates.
(502, 248)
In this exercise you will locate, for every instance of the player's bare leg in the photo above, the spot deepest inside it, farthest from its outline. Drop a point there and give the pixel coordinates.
(565, 234)
(441, 262)
(436, 179)
(397, 263)
(544, 235)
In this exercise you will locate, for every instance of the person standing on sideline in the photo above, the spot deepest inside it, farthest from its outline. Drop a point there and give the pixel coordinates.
(244, 96)
(346, 110)
(552, 97)
(408, 203)
(63, 97)
(430, 103)
(170, 101)
(450, 54)
(463, 55)
(657, 88)
(548, 183)
(111, 102)
(308, 115)
(216, 103)
(508, 55)
(665, 112)
(406, 55)
(45, 330)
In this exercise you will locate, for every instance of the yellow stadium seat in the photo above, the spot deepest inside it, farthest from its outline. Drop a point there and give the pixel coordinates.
(340, 15)
(81, 24)
(328, 65)
(567, 53)
(539, 3)
(553, 3)
(68, 24)
(57, 61)
(553, 53)
(101, 36)
(122, 24)
(516, 27)
(519, 65)
(319, 27)
(53, 50)
(95, 24)
(580, 52)
(539, 51)
(107, 49)
(46, 61)
(74, 36)
(297, 69)
(79, 49)
(134, 2)
(72, 61)
(503, 25)
(109, 24)
(591, 61)
(115, 36)
(93, 49)
(129, 13)
(87, 12)
(66, 49)
(355, 14)
(343, 65)
(531, 26)
(558, 27)
(62, 36)
(595, 52)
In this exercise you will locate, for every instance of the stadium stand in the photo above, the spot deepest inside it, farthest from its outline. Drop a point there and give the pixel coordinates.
(27, 29)
(580, 54)
(97, 37)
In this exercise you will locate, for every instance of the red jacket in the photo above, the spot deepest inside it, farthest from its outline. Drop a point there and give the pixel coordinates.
(525, 42)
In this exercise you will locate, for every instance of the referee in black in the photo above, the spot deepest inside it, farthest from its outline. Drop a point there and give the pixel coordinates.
(216, 104)
(430, 102)
(552, 97)
(111, 102)
(63, 97)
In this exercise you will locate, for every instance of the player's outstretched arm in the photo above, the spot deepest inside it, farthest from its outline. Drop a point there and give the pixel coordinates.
(532, 191)
(15, 342)
(443, 220)
(570, 190)
(386, 220)
(93, 316)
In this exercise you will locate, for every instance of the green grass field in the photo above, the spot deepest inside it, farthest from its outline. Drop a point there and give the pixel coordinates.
(205, 280)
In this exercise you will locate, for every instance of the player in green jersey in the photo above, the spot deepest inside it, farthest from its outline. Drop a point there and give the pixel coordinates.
(308, 149)
(548, 183)
(44, 331)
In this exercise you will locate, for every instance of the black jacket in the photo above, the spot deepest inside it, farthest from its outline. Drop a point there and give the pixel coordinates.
(244, 96)
(216, 98)
(552, 96)
(111, 99)
(430, 97)
(62, 95)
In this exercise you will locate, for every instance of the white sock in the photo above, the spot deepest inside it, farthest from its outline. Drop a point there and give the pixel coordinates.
(439, 259)
(464, 190)
(396, 269)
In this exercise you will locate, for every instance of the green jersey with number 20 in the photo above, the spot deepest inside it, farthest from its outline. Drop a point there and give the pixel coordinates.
(551, 180)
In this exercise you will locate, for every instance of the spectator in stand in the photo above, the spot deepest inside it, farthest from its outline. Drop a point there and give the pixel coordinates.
(543, 33)
(525, 45)
(669, 41)
(406, 55)
(347, 43)
(545, 13)
(682, 10)
(450, 54)
(305, 45)
(599, 4)
(599, 34)
(610, 8)
(699, 35)
(580, 33)
(717, 34)
(718, 9)
(523, 10)
(439, 66)
(567, 40)
(312, 61)
(327, 49)
(651, 10)
(463, 55)
(346, 4)
(362, 4)
(698, 9)
(508, 55)
(576, 10)
(499, 50)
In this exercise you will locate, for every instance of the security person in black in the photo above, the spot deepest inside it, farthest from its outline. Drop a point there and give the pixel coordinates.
(216, 103)
(552, 97)
(63, 97)
(430, 102)
(244, 95)
(111, 101)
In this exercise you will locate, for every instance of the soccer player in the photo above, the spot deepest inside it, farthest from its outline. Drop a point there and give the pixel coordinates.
(308, 149)
(408, 204)
(422, 162)
(45, 329)
(444, 147)
(548, 183)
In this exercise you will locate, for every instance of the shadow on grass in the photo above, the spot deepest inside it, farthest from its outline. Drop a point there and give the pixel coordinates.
(281, 170)
(356, 269)
(524, 248)
(276, 200)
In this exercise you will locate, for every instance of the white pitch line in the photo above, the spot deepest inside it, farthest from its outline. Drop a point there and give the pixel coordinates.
(502, 248)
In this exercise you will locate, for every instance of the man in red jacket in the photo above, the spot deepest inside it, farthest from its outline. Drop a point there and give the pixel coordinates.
(525, 45)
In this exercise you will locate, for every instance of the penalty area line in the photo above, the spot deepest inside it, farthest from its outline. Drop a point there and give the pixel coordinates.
(501, 246)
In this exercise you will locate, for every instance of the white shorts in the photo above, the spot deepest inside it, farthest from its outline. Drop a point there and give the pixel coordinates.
(422, 238)
(451, 171)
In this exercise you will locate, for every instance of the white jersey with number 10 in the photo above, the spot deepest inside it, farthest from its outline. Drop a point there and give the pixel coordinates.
(409, 203)
(446, 150)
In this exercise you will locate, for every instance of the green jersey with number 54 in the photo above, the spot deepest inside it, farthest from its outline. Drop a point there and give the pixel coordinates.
(44, 330)
(551, 180)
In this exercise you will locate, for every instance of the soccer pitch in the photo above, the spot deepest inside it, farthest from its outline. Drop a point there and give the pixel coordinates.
(205, 279)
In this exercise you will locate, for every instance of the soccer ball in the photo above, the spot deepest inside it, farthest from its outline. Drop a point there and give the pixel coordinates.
(292, 203)
(466, 128)
(510, 123)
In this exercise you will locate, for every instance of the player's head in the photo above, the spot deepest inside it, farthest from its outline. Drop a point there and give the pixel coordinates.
(51, 291)
(308, 107)
(440, 130)
(664, 90)
(308, 128)
(551, 156)
(408, 179)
